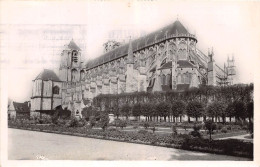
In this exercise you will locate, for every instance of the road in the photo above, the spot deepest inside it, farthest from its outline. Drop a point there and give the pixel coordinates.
(30, 145)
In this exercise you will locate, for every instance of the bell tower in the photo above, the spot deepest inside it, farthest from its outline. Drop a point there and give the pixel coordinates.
(231, 70)
(70, 61)
(69, 71)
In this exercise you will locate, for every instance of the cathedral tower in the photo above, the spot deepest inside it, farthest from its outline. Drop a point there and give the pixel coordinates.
(211, 69)
(71, 74)
(231, 70)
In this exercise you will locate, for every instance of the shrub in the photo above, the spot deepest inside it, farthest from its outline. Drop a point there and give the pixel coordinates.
(81, 123)
(73, 123)
(92, 121)
(122, 124)
(153, 126)
(219, 126)
(146, 125)
(224, 130)
(195, 134)
(135, 126)
(104, 120)
(197, 127)
(174, 130)
(61, 122)
(210, 126)
(229, 127)
(55, 117)
(143, 131)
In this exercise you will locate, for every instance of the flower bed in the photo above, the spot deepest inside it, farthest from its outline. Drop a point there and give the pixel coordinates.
(183, 141)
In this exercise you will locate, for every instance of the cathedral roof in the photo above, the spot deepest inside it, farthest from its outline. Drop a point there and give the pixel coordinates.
(47, 74)
(170, 31)
(73, 46)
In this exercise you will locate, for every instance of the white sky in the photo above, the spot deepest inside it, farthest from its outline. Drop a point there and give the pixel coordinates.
(33, 33)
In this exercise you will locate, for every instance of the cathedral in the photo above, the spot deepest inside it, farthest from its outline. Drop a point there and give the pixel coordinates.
(164, 60)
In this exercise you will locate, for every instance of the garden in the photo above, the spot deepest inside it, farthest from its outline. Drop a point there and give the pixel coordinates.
(194, 120)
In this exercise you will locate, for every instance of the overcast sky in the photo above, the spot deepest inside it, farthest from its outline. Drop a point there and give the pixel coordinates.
(34, 33)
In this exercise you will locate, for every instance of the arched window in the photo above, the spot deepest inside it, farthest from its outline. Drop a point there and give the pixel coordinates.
(168, 79)
(74, 56)
(56, 90)
(82, 75)
(163, 79)
(179, 78)
(187, 78)
(182, 78)
(74, 75)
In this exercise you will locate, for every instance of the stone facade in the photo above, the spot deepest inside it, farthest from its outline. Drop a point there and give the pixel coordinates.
(167, 59)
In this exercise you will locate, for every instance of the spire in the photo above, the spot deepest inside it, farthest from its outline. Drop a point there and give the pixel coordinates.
(212, 52)
(72, 45)
(130, 58)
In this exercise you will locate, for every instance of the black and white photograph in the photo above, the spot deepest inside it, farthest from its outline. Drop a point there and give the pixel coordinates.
(107, 81)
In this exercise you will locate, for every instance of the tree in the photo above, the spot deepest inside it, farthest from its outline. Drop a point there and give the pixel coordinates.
(104, 121)
(116, 111)
(147, 110)
(250, 111)
(178, 108)
(210, 126)
(125, 110)
(230, 112)
(136, 111)
(216, 109)
(240, 110)
(87, 112)
(194, 109)
(163, 109)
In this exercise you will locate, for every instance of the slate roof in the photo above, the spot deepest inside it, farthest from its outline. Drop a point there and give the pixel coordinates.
(47, 74)
(167, 32)
(73, 46)
(167, 65)
(21, 107)
(185, 64)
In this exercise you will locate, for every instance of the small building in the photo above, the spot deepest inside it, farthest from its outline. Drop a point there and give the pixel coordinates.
(22, 110)
(46, 93)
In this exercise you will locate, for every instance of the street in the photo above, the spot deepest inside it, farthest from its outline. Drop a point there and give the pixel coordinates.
(31, 145)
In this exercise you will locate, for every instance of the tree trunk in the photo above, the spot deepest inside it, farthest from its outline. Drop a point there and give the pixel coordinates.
(157, 118)
(223, 119)
(169, 118)
(230, 118)
(196, 119)
(204, 118)
(188, 119)
(164, 118)
(180, 118)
